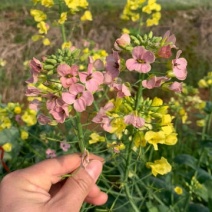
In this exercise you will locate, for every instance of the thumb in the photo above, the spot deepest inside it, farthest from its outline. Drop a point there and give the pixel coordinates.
(76, 188)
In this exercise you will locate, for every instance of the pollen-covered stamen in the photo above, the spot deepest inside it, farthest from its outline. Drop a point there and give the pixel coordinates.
(69, 76)
(89, 77)
(78, 95)
(141, 61)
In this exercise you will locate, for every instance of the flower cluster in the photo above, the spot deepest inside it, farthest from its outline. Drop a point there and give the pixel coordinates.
(62, 86)
(13, 115)
(133, 8)
(65, 90)
(67, 8)
(206, 82)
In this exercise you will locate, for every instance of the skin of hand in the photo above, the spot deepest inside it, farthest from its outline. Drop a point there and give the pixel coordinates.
(40, 188)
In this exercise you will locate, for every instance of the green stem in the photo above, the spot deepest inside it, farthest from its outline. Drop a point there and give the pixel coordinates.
(139, 93)
(129, 151)
(80, 133)
(62, 26)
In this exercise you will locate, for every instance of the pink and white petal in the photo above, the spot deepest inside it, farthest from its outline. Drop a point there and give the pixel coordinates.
(182, 63)
(74, 70)
(83, 76)
(92, 85)
(63, 81)
(76, 88)
(178, 54)
(87, 97)
(68, 98)
(63, 69)
(145, 68)
(180, 74)
(130, 64)
(138, 52)
(98, 76)
(149, 57)
(79, 105)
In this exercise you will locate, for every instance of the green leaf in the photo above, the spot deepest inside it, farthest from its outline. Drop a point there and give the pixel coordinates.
(8, 135)
(151, 207)
(185, 159)
(197, 208)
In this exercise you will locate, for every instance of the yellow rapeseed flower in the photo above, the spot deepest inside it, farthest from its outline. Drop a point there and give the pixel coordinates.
(202, 83)
(87, 16)
(125, 31)
(36, 37)
(200, 123)
(139, 139)
(29, 117)
(7, 147)
(38, 15)
(5, 122)
(155, 138)
(178, 190)
(24, 134)
(2, 62)
(76, 5)
(43, 27)
(17, 110)
(157, 102)
(67, 45)
(47, 3)
(118, 126)
(96, 138)
(46, 42)
(159, 166)
(63, 18)
(117, 147)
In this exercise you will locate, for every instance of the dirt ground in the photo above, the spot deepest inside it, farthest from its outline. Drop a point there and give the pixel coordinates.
(193, 29)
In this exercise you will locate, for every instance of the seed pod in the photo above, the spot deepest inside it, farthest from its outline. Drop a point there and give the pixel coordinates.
(48, 67)
(51, 61)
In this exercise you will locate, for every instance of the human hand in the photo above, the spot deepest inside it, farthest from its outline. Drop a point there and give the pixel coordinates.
(40, 188)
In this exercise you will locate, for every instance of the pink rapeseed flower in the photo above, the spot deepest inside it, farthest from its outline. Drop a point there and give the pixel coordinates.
(179, 66)
(64, 146)
(176, 86)
(141, 60)
(50, 153)
(68, 74)
(122, 42)
(165, 52)
(112, 67)
(136, 121)
(57, 108)
(102, 118)
(91, 79)
(154, 82)
(122, 89)
(169, 39)
(42, 119)
(35, 69)
(78, 96)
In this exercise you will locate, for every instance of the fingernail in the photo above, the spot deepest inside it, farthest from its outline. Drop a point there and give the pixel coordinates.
(94, 169)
